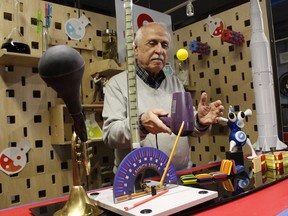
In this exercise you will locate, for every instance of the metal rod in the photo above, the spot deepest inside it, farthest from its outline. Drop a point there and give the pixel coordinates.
(177, 7)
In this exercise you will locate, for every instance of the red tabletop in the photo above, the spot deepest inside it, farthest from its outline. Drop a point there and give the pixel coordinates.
(271, 200)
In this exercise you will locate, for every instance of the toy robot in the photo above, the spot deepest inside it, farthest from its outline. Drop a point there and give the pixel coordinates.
(237, 137)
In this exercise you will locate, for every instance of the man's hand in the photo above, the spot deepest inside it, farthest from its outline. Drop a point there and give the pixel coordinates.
(209, 113)
(152, 123)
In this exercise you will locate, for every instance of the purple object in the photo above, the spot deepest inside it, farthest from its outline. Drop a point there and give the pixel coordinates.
(181, 110)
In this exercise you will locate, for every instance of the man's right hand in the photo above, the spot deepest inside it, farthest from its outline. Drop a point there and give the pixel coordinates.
(152, 123)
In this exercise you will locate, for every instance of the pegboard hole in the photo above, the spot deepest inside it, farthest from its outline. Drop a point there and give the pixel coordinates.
(11, 119)
(42, 193)
(10, 93)
(65, 189)
(36, 94)
(28, 183)
(236, 16)
(37, 118)
(235, 88)
(12, 144)
(9, 68)
(40, 169)
(27, 157)
(21, 6)
(7, 16)
(243, 76)
(23, 81)
(201, 74)
(247, 23)
(22, 30)
(98, 33)
(222, 149)
(58, 26)
(25, 133)
(99, 53)
(192, 148)
(215, 52)
(34, 45)
(227, 99)
(34, 21)
(38, 143)
(248, 43)
(53, 179)
(15, 199)
(64, 165)
(52, 155)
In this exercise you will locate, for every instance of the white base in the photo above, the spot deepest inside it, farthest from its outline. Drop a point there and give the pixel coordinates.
(176, 199)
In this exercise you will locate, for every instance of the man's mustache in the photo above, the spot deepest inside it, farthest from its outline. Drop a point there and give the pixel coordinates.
(160, 57)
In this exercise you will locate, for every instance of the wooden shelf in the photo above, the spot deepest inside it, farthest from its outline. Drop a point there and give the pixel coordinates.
(106, 67)
(17, 59)
(190, 88)
(62, 123)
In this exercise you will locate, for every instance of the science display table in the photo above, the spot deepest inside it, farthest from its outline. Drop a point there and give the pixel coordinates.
(247, 194)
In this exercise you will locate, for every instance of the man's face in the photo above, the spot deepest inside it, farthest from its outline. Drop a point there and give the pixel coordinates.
(151, 50)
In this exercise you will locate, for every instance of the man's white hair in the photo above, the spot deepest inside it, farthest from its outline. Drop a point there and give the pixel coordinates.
(138, 35)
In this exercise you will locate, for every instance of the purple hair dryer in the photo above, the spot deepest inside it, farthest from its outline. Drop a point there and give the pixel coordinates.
(181, 110)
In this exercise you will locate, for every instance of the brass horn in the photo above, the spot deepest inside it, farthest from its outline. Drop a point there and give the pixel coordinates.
(62, 68)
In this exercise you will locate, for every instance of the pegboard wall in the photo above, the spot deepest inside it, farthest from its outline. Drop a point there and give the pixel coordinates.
(26, 100)
(225, 74)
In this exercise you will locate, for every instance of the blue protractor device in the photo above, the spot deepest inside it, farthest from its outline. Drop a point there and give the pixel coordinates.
(133, 164)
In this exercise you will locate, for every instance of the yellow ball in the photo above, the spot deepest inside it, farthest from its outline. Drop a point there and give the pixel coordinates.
(182, 54)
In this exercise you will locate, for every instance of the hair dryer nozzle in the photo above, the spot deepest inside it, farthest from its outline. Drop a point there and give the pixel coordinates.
(181, 110)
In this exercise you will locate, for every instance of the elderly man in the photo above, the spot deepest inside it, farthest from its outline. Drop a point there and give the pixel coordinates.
(154, 94)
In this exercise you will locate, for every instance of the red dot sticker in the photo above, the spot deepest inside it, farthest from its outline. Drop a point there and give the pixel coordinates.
(143, 18)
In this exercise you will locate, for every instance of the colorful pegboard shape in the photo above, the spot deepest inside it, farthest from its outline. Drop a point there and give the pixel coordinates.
(199, 47)
(232, 37)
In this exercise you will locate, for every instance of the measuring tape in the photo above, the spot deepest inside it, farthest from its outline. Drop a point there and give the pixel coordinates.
(131, 76)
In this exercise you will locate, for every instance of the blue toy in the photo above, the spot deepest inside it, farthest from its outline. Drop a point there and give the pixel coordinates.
(237, 137)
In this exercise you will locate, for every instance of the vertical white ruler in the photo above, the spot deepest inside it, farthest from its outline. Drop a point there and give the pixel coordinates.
(131, 75)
